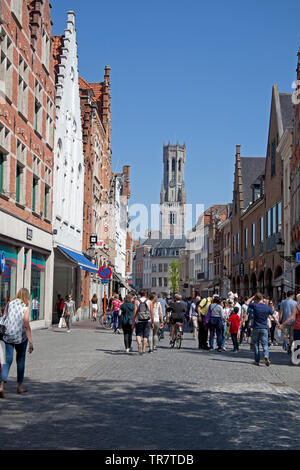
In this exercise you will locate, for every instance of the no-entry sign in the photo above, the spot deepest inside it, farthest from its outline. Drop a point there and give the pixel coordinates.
(105, 272)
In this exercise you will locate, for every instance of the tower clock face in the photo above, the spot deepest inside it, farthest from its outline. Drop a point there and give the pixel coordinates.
(172, 184)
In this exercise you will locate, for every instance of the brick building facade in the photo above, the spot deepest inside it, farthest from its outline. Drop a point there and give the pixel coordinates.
(27, 115)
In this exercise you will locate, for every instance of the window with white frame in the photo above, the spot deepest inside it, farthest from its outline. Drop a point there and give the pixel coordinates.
(45, 49)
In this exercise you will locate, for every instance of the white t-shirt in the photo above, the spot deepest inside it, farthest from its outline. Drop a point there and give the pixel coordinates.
(156, 312)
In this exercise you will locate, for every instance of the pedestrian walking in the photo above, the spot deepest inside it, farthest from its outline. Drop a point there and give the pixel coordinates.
(143, 320)
(94, 307)
(261, 313)
(234, 321)
(69, 312)
(115, 310)
(60, 303)
(193, 316)
(126, 317)
(295, 316)
(158, 323)
(35, 309)
(286, 309)
(216, 323)
(203, 307)
(274, 321)
(17, 336)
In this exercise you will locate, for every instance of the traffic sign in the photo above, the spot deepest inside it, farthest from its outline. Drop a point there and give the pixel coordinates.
(2, 261)
(298, 257)
(105, 272)
(104, 281)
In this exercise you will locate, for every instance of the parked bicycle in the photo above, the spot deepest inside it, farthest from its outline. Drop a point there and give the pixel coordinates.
(105, 321)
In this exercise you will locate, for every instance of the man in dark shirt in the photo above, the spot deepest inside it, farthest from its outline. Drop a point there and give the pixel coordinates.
(261, 312)
(178, 310)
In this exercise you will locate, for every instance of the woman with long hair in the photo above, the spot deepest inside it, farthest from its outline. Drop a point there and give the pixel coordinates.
(95, 307)
(126, 315)
(158, 323)
(17, 336)
(69, 312)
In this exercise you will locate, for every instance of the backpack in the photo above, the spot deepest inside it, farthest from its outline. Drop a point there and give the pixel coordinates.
(143, 311)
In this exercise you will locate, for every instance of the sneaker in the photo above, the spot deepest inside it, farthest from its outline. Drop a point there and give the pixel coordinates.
(267, 361)
(256, 363)
(223, 349)
(126, 350)
(140, 349)
(150, 351)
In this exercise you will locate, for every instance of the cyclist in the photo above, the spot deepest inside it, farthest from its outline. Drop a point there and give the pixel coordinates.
(178, 310)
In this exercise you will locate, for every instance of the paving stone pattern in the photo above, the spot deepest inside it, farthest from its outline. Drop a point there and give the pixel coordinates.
(85, 393)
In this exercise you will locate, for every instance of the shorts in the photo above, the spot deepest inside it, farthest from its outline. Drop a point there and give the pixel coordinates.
(176, 320)
(142, 329)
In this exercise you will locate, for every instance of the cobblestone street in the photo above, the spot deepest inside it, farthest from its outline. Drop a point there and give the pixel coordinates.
(86, 393)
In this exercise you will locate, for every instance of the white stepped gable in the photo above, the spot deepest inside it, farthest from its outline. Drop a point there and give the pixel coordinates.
(68, 152)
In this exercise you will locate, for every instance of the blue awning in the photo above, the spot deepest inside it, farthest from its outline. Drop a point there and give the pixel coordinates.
(82, 261)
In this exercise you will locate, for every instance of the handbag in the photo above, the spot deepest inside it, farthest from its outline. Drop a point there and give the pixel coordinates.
(60, 322)
(207, 316)
(2, 323)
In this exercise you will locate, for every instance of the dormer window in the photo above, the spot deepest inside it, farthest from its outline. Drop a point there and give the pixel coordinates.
(256, 192)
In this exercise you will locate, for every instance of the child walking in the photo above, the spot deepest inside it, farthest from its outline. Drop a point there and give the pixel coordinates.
(234, 321)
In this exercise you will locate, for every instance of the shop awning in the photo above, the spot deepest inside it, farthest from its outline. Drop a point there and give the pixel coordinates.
(82, 261)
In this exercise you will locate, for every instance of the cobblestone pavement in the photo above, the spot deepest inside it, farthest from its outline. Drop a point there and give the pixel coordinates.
(84, 392)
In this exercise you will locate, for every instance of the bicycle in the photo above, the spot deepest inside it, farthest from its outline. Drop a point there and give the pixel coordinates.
(177, 335)
(105, 321)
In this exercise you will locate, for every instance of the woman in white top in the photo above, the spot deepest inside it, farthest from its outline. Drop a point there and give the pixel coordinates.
(158, 323)
(69, 312)
(17, 336)
(95, 307)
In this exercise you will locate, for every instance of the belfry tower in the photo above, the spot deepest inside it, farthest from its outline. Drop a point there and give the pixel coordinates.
(173, 195)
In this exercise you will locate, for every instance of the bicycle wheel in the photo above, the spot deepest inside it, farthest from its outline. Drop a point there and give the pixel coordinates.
(178, 340)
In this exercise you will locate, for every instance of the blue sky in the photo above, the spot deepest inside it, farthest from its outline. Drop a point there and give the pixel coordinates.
(194, 72)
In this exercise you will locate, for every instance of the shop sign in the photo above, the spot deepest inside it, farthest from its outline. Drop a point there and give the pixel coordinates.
(29, 234)
(298, 257)
(2, 261)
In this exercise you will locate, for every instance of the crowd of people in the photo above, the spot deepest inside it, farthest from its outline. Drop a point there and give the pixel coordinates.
(256, 321)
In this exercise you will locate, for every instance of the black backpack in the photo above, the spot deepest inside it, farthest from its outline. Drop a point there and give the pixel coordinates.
(143, 311)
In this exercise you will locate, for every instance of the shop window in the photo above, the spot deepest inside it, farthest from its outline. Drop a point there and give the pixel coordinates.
(38, 266)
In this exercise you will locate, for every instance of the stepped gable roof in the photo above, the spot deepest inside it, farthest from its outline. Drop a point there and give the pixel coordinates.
(287, 110)
(251, 169)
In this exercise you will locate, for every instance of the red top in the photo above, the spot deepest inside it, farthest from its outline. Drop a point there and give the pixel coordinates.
(297, 319)
(235, 321)
(116, 305)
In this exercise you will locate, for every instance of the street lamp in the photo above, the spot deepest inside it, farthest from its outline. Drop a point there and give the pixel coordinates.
(280, 250)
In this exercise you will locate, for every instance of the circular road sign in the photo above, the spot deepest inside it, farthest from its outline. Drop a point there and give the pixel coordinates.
(105, 272)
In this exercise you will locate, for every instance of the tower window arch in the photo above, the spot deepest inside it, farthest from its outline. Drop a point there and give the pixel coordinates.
(173, 164)
(179, 165)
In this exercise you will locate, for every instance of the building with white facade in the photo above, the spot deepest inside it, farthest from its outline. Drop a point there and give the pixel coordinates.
(68, 178)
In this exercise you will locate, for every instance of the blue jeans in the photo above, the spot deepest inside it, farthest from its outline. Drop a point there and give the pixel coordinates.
(21, 355)
(260, 336)
(212, 330)
(224, 336)
(116, 320)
